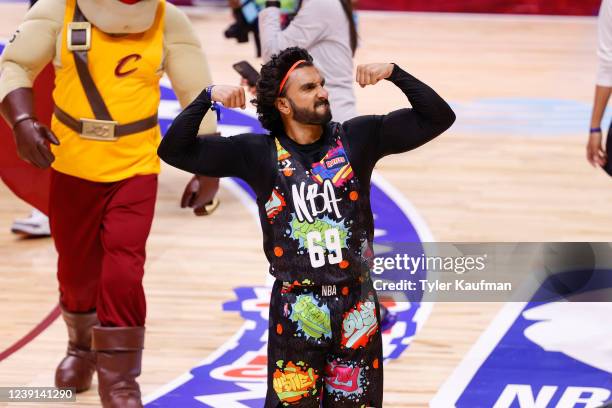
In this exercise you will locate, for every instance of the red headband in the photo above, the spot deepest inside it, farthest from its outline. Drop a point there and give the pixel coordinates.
(293, 67)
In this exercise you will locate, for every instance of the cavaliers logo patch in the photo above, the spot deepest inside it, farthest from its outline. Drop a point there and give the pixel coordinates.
(120, 69)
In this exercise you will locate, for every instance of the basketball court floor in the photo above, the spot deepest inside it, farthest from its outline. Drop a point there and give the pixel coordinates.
(511, 169)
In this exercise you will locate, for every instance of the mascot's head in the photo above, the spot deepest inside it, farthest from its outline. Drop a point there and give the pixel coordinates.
(120, 16)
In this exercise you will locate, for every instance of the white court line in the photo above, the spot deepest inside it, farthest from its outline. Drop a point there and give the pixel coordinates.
(457, 382)
(453, 387)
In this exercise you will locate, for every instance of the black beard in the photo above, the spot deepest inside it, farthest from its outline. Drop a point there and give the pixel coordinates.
(311, 116)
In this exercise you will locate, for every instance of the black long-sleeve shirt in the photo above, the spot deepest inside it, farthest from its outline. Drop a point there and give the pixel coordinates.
(252, 157)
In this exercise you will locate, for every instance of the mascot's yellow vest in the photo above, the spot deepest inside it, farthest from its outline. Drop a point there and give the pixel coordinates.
(125, 70)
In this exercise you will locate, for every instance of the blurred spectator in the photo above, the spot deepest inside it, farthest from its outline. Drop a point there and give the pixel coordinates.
(245, 14)
(327, 29)
(596, 155)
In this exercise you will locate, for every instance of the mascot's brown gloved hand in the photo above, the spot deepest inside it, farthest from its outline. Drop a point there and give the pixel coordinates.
(31, 137)
(200, 194)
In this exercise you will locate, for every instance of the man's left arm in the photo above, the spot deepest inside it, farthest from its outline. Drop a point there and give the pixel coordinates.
(406, 129)
(185, 63)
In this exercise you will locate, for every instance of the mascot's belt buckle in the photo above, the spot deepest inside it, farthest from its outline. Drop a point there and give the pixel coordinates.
(94, 129)
(78, 36)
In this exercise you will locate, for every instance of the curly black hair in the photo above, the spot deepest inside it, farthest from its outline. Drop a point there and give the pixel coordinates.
(272, 73)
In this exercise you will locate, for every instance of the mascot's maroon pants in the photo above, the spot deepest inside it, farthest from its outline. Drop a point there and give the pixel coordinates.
(100, 232)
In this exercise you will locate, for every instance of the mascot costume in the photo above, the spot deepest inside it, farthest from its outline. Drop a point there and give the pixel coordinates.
(88, 160)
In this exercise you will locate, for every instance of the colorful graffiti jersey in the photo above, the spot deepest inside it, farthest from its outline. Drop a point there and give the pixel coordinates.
(317, 222)
(324, 345)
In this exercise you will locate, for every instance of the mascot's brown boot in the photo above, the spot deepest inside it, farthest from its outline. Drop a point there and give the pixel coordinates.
(119, 356)
(77, 368)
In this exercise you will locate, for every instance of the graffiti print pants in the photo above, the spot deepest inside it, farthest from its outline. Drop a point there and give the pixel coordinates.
(324, 347)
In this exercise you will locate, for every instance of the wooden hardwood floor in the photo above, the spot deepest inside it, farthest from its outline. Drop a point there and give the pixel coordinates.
(509, 184)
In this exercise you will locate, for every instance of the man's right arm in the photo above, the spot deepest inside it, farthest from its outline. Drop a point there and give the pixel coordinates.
(375, 136)
(182, 148)
(216, 156)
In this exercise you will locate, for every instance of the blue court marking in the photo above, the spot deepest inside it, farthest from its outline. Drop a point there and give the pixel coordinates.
(524, 117)
(539, 354)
